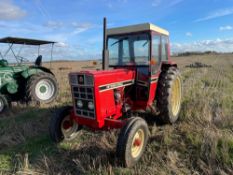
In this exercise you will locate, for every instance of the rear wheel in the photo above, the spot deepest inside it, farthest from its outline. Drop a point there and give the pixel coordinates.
(168, 95)
(132, 141)
(62, 127)
(42, 87)
(4, 104)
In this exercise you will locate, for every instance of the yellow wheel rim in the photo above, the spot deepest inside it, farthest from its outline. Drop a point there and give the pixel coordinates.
(176, 96)
(137, 143)
(69, 128)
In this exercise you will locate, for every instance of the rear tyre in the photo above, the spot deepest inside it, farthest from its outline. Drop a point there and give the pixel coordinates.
(168, 95)
(42, 87)
(4, 104)
(62, 127)
(132, 141)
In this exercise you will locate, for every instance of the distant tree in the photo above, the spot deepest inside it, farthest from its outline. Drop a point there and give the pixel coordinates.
(189, 53)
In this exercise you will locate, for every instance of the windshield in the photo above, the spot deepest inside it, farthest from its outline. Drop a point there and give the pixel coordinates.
(128, 50)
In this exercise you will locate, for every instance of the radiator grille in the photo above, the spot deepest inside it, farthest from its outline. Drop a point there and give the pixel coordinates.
(83, 91)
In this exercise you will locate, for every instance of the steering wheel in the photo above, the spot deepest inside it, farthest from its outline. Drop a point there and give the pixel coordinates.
(22, 59)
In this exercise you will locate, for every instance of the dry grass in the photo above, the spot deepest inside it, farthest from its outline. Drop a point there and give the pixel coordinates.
(200, 143)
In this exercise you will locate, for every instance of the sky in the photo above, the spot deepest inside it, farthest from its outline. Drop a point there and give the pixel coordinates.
(76, 25)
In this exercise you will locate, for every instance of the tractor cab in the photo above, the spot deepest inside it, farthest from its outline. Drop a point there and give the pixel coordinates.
(143, 48)
(143, 45)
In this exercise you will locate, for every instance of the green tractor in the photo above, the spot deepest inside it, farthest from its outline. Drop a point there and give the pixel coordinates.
(23, 81)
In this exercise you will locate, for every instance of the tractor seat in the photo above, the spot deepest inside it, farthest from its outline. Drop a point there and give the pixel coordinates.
(38, 61)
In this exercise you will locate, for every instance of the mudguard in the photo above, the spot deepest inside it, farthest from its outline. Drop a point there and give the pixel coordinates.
(167, 64)
(34, 70)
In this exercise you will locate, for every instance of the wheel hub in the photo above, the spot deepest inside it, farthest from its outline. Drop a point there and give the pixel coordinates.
(69, 128)
(45, 89)
(67, 125)
(176, 96)
(137, 144)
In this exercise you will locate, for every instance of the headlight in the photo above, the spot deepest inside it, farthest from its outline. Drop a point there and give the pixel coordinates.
(90, 105)
(79, 103)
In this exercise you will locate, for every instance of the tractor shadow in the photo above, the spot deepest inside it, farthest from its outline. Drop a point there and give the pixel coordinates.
(152, 120)
(20, 125)
(90, 157)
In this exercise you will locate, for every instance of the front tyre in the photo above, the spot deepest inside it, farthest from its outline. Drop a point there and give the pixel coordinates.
(42, 87)
(4, 104)
(132, 141)
(62, 127)
(168, 95)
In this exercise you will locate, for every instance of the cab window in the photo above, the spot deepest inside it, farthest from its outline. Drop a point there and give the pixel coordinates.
(155, 60)
(131, 49)
(164, 48)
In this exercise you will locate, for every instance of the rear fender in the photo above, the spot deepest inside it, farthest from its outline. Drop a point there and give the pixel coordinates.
(34, 70)
(44, 69)
(166, 64)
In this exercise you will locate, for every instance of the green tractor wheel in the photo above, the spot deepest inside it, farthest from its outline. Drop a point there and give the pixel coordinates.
(42, 87)
(4, 104)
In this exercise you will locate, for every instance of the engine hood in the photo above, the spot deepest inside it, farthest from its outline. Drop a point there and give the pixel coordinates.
(108, 77)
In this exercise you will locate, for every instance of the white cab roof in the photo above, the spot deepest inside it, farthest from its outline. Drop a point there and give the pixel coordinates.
(137, 28)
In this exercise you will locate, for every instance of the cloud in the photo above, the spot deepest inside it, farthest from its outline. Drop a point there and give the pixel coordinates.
(44, 12)
(68, 31)
(219, 45)
(81, 27)
(156, 3)
(189, 34)
(112, 3)
(17, 27)
(175, 2)
(53, 24)
(228, 27)
(10, 11)
(216, 14)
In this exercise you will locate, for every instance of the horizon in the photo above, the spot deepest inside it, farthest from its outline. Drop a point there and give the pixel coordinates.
(77, 25)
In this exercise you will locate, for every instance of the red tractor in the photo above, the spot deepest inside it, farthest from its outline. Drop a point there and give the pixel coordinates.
(137, 77)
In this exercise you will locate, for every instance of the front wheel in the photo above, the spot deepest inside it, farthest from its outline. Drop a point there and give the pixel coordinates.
(132, 141)
(42, 87)
(4, 103)
(62, 127)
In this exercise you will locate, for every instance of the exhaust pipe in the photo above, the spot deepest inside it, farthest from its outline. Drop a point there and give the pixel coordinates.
(105, 62)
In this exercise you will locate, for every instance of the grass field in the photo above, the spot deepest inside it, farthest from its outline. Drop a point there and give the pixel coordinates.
(201, 142)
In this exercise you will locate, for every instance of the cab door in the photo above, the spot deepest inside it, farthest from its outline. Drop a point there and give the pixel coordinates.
(155, 54)
(156, 47)
(159, 53)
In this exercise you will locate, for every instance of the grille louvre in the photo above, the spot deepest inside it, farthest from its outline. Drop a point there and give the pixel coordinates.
(81, 80)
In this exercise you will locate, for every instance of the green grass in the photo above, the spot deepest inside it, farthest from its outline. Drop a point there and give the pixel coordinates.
(34, 148)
